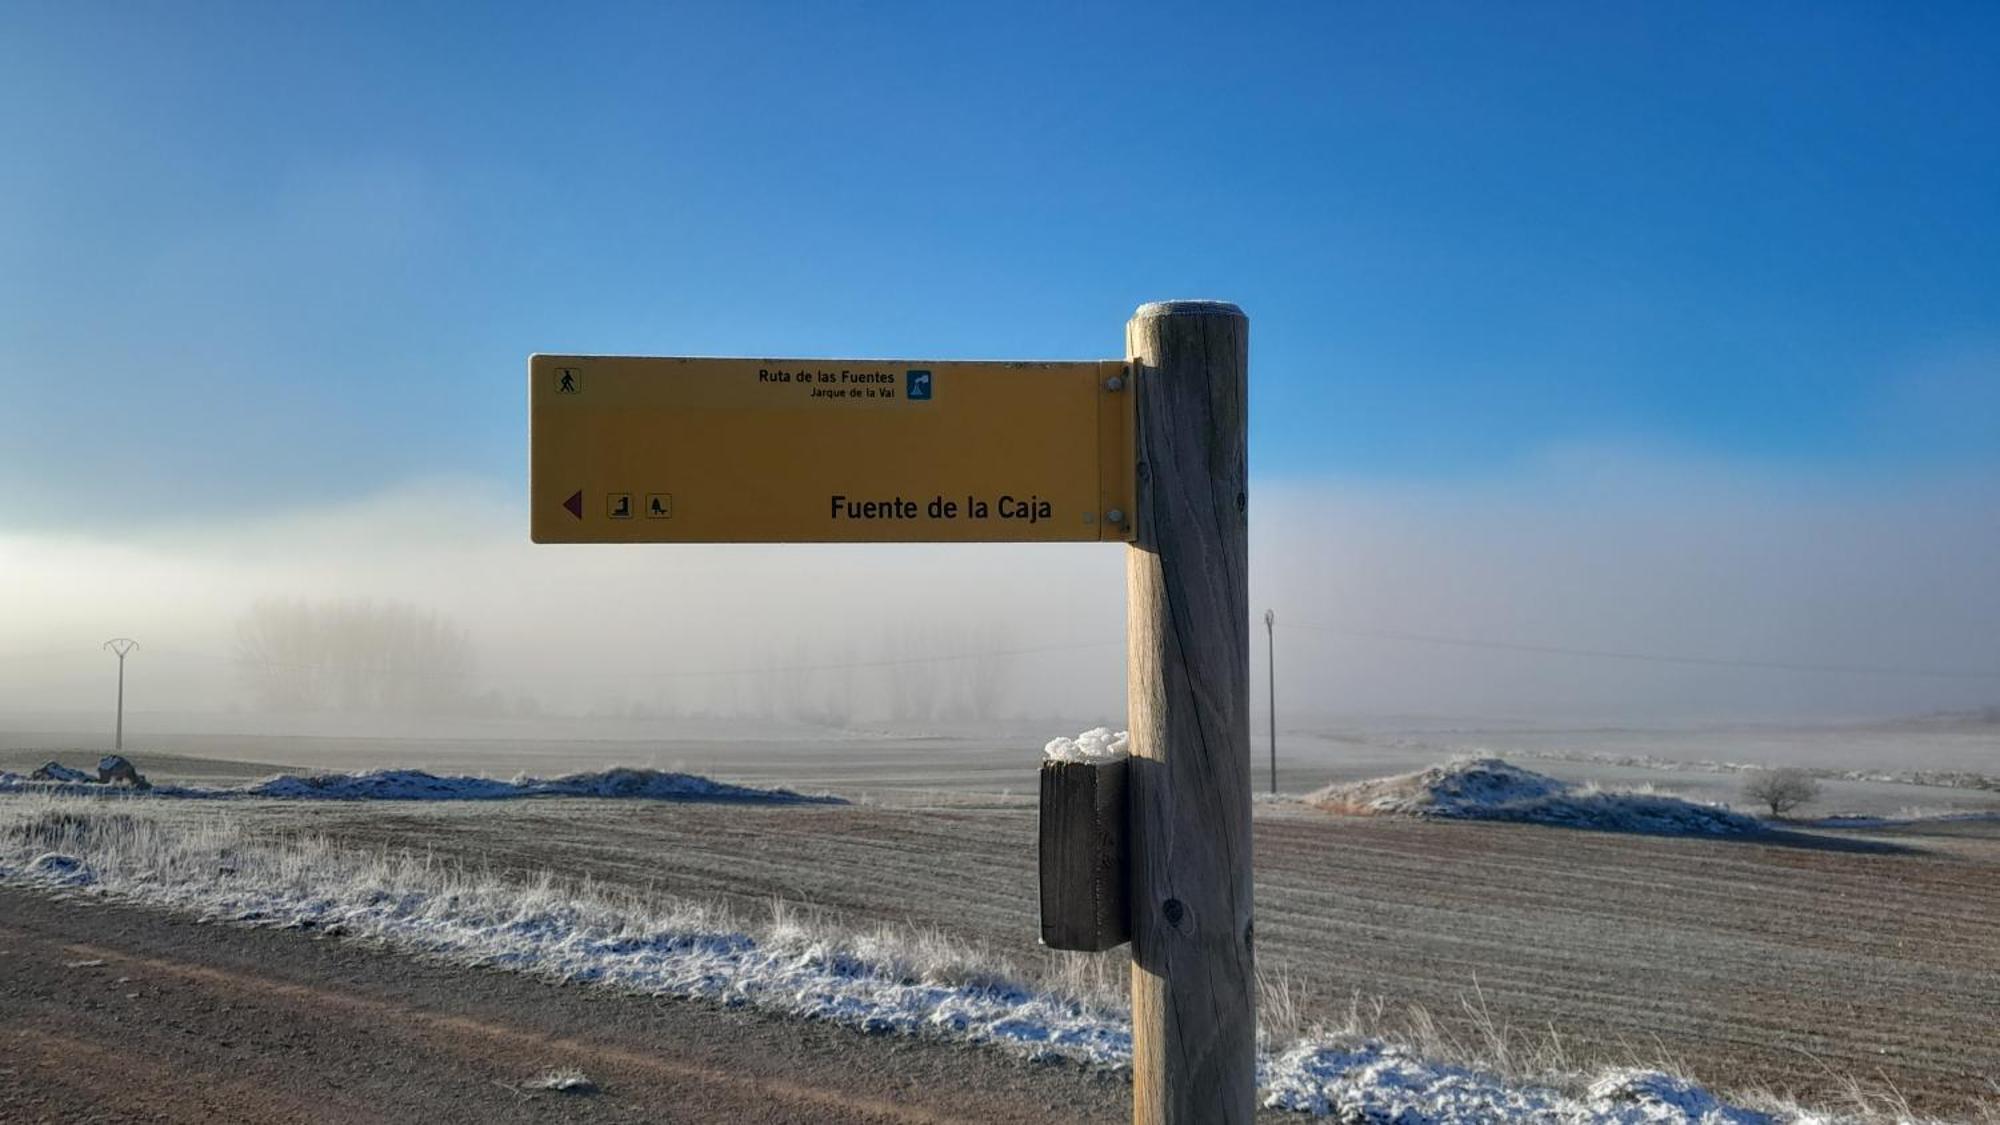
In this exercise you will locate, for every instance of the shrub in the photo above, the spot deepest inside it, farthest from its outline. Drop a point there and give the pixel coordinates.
(1782, 789)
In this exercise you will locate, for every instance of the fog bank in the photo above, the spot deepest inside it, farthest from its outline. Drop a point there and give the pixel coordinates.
(1391, 599)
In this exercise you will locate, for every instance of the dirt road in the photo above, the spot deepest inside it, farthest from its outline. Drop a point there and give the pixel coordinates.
(117, 1014)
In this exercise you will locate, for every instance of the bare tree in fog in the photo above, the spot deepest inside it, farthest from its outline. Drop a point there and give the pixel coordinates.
(913, 672)
(987, 678)
(356, 656)
(953, 672)
(1782, 789)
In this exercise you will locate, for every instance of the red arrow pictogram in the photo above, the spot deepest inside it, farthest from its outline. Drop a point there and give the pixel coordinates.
(574, 505)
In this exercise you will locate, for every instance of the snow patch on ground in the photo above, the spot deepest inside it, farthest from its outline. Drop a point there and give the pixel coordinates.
(1476, 788)
(208, 868)
(59, 870)
(1094, 746)
(417, 785)
(1372, 1081)
(56, 771)
(1648, 1095)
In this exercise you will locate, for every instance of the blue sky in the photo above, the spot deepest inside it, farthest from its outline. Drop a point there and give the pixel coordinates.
(256, 257)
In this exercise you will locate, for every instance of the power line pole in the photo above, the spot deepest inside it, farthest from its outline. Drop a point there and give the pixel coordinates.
(1271, 682)
(121, 646)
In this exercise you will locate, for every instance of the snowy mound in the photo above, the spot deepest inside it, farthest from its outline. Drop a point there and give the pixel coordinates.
(1094, 746)
(416, 785)
(1461, 787)
(379, 785)
(56, 771)
(1492, 789)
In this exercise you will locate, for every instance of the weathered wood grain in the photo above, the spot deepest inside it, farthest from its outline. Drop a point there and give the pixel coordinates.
(1085, 860)
(1188, 645)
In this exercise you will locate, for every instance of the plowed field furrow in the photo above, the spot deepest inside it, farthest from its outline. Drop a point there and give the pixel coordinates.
(1750, 962)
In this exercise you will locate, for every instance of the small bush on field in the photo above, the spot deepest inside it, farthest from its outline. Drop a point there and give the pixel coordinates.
(1782, 789)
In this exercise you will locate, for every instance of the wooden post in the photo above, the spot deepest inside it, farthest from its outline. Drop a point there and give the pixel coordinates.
(1194, 1027)
(1085, 863)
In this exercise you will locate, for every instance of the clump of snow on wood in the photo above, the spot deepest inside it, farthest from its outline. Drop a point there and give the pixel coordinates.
(1492, 789)
(205, 865)
(417, 785)
(1094, 746)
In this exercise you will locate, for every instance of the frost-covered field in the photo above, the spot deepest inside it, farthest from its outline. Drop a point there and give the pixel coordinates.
(1545, 954)
(886, 981)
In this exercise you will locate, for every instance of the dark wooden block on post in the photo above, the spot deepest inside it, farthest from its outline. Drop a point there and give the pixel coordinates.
(1085, 856)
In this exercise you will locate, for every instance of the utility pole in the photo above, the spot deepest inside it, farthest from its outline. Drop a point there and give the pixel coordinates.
(121, 646)
(1271, 682)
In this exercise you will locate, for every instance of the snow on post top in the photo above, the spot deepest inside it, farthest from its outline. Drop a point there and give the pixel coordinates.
(1095, 746)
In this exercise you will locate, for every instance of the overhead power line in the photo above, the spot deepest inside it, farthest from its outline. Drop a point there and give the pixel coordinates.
(684, 673)
(1652, 657)
(52, 654)
(894, 662)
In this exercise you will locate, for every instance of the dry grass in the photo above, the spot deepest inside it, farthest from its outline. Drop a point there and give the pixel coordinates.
(1707, 954)
(1473, 1027)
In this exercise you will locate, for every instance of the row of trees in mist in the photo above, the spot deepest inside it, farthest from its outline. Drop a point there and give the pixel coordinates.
(359, 657)
(393, 658)
(916, 672)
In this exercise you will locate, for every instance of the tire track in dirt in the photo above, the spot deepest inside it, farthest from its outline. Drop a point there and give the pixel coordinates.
(122, 1014)
(111, 1079)
(475, 1037)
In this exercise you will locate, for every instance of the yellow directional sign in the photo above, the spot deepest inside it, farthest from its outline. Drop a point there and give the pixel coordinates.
(625, 449)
